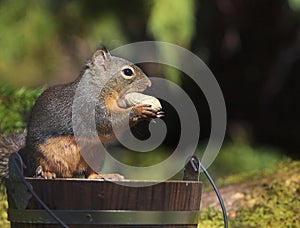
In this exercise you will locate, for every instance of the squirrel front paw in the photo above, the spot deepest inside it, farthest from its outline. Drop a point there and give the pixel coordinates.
(40, 173)
(107, 177)
(145, 111)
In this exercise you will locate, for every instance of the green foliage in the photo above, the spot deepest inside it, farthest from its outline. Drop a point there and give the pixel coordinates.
(239, 155)
(33, 33)
(107, 30)
(85, 24)
(177, 26)
(234, 158)
(295, 4)
(26, 37)
(15, 105)
(173, 21)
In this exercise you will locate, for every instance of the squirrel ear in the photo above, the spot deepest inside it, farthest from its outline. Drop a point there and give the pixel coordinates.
(101, 56)
(102, 48)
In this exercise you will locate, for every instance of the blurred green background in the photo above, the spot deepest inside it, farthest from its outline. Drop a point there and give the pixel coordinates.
(252, 47)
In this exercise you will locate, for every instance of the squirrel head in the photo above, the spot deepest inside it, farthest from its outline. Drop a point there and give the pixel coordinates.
(116, 75)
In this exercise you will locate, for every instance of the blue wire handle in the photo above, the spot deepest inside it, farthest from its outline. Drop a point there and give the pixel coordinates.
(17, 166)
(218, 194)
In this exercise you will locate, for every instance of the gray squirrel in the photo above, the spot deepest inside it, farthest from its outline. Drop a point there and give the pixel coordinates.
(50, 148)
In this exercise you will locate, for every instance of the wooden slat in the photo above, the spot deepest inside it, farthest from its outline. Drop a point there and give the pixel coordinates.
(82, 194)
(101, 195)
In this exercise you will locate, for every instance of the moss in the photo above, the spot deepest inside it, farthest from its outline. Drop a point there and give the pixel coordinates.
(3, 208)
(210, 219)
(275, 202)
(272, 200)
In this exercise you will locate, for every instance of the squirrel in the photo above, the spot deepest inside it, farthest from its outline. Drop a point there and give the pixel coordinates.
(50, 149)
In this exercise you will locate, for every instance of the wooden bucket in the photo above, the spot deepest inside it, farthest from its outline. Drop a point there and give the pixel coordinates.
(96, 203)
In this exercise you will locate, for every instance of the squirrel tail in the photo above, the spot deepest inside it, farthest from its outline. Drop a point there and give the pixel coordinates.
(9, 145)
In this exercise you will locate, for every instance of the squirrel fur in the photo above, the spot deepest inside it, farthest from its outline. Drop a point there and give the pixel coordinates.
(50, 149)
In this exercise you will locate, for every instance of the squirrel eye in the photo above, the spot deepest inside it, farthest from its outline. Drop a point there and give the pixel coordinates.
(127, 72)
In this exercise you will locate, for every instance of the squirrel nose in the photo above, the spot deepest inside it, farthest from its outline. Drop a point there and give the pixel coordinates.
(149, 83)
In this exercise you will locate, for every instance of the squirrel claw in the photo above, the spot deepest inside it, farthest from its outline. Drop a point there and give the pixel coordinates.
(40, 173)
(160, 114)
(107, 177)
(143, 111)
